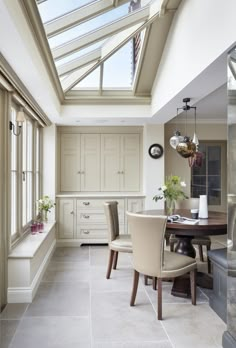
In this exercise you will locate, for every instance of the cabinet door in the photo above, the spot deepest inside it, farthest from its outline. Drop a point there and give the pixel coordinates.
(133, 206)
(66, 218)
(110, 166)
(90, 162)
(130, 162)
(70, 162)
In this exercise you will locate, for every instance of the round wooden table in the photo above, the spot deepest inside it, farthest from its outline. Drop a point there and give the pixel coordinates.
(216, 224)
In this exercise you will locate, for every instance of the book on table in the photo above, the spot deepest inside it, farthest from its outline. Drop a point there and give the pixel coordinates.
(182, 220)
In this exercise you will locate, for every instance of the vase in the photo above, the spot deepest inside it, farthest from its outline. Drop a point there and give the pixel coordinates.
(45, 215)
(170, 206)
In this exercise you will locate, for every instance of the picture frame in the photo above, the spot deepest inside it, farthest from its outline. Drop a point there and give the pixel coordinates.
(155, 151)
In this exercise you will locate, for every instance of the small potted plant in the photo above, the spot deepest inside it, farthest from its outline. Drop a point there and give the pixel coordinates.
(171, 192)
(44, 206)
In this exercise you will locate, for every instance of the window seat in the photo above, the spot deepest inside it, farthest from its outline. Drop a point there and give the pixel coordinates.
(27, 263)
(218, 300)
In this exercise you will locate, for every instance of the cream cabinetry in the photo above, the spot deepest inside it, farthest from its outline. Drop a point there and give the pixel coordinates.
(66, 218)
(80, 162)
(82, 220)
(120, 162)
(99, 162)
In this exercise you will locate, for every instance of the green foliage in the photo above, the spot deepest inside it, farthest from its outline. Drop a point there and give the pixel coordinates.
(45, 203)
(172, 189)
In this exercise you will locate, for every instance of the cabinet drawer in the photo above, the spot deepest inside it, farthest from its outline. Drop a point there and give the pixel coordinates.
(97, 203)
(99, 217)
(94, 231)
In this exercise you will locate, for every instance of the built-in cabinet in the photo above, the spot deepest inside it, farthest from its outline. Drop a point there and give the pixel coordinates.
(82, 220)
(120, 162)
(99, 162)
(80, 162)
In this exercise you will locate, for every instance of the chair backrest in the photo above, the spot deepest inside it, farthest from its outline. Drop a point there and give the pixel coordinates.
(147, 235)
(111, 212)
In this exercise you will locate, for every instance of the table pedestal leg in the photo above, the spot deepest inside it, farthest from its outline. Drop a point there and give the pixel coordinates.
(181, 285)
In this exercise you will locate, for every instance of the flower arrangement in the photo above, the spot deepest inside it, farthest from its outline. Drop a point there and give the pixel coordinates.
(171, 191)
(44, 206)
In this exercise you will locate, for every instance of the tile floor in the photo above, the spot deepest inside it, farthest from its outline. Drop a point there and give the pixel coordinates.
(76, 307)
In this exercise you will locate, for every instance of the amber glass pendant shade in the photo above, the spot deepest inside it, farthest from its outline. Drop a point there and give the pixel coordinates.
(186, 148)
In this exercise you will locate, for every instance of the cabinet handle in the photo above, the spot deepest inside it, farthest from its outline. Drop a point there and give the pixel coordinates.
(78, 172)
(122, 172)
(118, 173)
(72, 212)
(86, 203)
(86, 231)
(86, 216)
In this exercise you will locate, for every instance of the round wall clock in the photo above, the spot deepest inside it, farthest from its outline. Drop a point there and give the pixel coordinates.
(155, 151)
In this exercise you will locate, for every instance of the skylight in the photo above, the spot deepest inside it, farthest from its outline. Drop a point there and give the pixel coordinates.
(96, 44)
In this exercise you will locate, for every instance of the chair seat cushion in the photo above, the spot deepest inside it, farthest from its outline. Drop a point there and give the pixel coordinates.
(122, 243)
(176, 264)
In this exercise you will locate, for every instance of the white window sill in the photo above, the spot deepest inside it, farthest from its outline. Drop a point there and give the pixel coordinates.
(29, 246)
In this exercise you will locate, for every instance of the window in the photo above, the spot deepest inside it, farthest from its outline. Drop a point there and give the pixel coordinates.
(210, 178)
(25, 174)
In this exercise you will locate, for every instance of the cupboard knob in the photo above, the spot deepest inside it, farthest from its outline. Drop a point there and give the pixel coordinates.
(86, 216)
(86, 203)
(86, 231)
(72, 212)
(78, 172)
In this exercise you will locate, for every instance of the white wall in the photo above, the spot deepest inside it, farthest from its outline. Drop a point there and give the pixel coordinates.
(202, 30)
(153, 169)
(49, 164)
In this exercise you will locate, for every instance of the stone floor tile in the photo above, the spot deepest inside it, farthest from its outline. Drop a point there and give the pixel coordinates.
(7, 332)
(14, 311)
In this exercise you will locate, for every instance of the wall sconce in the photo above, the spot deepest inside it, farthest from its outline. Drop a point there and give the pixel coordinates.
(20, 118)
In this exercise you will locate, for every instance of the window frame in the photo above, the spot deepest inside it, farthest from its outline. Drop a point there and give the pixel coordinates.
(223, 174)
(23, 228)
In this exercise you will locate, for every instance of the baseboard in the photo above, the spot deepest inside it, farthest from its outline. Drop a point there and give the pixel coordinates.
(228, 341)
(26, 294)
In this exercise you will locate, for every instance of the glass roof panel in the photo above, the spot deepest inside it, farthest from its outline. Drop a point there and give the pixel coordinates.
(89, 82)
(117, 71)
(52, 9)
(92, 24)
(79, 53)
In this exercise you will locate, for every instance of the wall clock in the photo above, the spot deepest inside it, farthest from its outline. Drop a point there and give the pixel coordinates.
(155, 151)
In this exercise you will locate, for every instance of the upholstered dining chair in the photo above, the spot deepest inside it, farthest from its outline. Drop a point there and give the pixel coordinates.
(117, 242)
(150, 258)
(199, 241)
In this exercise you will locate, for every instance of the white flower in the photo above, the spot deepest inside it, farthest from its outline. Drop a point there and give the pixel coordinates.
(164, 188)
(183, 184)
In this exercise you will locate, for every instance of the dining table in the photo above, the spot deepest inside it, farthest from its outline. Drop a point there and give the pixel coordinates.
(215, 224)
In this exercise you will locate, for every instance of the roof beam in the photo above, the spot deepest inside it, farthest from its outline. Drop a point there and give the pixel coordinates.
(101, 33)
(79, 15)
(72, 79)
(79, 62)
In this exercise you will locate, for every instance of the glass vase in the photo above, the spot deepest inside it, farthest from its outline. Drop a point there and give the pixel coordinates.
(170, 206)
(45, 215)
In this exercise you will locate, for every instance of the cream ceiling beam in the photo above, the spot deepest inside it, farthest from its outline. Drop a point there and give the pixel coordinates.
(75, 76)
(79, 62)
(101, 33)
(79, 15)
(109, 48)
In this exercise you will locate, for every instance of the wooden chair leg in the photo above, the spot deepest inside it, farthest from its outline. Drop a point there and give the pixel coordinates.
(200, 253)
(208, 260)
(145, 279)
(110, 264)
(172, 245)
(159, 299)
(154, 283)
(193, 275)
(115, 259)
(135, 288)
